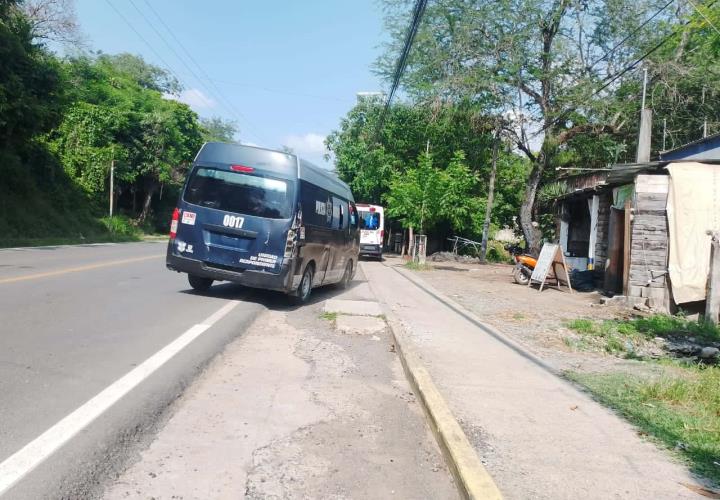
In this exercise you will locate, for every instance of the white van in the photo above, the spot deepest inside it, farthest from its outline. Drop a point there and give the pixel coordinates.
(372, 229)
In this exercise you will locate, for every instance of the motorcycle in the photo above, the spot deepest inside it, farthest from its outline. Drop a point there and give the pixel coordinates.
(524, 264)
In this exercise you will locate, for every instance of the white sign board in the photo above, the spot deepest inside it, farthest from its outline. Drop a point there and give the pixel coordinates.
(551, 264)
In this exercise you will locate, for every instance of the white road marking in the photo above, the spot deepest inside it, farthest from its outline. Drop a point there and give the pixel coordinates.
(34, 453)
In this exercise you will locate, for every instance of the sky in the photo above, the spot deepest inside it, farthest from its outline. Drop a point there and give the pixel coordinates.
(285, 71)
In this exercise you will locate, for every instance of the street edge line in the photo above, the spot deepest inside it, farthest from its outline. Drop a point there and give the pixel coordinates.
(21, 463)
(472, 479)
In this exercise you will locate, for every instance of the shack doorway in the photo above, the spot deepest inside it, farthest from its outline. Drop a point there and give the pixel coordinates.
(614, 265)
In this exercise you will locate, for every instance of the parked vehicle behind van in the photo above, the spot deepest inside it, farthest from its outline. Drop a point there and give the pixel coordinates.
(372, 229)
(264, 219)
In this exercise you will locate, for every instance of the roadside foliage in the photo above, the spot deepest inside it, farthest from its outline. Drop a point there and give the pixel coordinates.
(66, 120)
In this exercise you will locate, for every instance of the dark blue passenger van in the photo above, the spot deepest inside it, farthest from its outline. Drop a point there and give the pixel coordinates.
(264, 219)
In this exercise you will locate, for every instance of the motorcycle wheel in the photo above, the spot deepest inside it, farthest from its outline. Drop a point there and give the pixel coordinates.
(520, 277)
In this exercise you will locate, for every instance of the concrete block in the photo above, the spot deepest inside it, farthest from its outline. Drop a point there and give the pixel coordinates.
(360, 325)
(635, 291)
(352, 307)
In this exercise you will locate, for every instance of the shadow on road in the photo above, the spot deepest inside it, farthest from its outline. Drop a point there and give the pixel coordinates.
(275, 301)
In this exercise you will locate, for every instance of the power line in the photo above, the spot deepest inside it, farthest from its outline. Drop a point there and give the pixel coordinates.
(143, 39)
(280, 91)
(418, 12)
(611, 79)
(704, 16)
(630, 35)
(219, 94)
(197, 65)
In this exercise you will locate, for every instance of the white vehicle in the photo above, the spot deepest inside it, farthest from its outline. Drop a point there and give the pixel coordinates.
(372, 229)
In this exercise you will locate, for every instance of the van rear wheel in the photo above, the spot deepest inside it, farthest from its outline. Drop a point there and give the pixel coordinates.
(305, 288)
(199, 283)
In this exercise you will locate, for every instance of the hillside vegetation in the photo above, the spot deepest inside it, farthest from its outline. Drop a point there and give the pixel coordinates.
(64, 121)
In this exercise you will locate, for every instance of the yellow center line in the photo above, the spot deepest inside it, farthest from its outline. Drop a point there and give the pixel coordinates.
(68, 270)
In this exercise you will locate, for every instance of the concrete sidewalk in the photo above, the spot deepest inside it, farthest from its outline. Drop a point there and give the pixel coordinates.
(296, 409)
(538, 435)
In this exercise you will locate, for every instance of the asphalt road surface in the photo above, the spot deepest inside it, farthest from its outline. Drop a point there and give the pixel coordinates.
(74, 320)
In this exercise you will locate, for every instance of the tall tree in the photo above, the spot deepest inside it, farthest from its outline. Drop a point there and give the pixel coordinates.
(537, 62)
(30, 84)
(53, 20)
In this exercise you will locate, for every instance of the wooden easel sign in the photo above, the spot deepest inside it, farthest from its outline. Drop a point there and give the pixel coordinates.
(551, 264)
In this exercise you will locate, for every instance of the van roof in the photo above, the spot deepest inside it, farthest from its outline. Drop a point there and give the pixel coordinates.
(280, 162)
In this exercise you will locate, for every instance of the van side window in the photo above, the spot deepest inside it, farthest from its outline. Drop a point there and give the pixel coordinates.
(317, 205)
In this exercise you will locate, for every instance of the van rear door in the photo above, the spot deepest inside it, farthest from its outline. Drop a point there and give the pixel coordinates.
(235, 218)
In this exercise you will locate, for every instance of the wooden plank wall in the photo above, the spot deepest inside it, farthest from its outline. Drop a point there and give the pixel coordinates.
(649, 238)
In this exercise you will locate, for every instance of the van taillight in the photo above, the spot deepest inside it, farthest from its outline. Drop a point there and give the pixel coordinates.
(382, 233)
(174, 223)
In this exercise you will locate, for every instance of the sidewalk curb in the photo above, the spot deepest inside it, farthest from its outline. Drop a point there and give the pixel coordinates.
(473, 481)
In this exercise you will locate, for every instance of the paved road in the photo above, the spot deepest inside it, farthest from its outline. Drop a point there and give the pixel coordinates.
(74, 320)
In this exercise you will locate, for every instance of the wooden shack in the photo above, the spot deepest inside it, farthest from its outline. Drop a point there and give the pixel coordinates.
(615, 223)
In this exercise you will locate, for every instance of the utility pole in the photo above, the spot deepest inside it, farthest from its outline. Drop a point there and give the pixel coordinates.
(112, 186)
(491, 197)
(644, 138)
(705, 128)
(664, 132)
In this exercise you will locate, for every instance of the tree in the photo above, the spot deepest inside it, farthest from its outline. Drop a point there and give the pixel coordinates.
(53, 20)
(539, 63)
(118, 112)
(30, 84)
(424, 196)
(218, 129)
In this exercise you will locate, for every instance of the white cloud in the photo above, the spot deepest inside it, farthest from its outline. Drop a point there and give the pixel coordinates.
(309, 145)
(194, 98)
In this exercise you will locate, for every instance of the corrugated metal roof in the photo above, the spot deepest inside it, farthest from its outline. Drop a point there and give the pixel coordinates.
(710, 138)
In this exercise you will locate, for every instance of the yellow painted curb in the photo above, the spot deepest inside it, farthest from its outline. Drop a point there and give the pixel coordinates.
(472, 479)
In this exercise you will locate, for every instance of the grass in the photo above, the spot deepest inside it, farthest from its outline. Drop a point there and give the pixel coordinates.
(622, 337)
(414, 266)
(109, 230)
(329, 316)
(680, 408)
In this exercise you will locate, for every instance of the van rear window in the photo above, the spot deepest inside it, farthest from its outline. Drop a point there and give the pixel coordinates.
(239, 193)
(369, 220)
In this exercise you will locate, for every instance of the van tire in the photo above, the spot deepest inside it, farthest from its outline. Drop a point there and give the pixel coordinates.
(200, 284)
(347, 276)
(302, 295)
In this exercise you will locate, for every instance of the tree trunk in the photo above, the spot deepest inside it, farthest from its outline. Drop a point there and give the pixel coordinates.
(411, 241)
(531, 233)
(150, 188)
(490, 200)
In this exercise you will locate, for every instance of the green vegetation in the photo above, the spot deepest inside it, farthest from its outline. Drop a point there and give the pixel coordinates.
(624, 337)
(414, 266)
(64, 121)
(429, 166)
(562, 67)
(329, 316)
(680, 407)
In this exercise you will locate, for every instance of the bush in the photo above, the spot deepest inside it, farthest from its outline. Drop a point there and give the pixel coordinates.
(496, 252)
(121, 226)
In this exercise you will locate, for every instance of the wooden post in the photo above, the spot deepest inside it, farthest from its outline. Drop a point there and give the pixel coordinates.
(627, 244)
(712, 305)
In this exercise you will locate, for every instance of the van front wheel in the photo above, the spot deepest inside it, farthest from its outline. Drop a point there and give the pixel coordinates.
(348, 276)
(199, 283)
